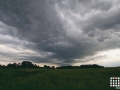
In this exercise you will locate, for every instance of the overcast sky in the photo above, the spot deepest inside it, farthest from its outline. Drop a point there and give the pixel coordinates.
(60, 32)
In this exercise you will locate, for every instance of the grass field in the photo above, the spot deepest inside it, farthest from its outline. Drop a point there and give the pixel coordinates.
(57, 79)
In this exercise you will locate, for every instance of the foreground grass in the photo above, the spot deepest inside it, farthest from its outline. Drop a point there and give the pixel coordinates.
(57, 79)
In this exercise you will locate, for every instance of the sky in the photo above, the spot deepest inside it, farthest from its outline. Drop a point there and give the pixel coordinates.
(60, 32)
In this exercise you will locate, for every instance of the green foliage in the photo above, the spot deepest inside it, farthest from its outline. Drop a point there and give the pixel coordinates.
(57, 79)
(23, 64)
(27, 64)
(82, 66)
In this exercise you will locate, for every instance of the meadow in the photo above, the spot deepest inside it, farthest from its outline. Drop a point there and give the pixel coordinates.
(57, 79)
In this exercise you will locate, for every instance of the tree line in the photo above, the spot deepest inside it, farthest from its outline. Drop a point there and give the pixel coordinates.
(28, 64)
(24, 64)
(81, 66)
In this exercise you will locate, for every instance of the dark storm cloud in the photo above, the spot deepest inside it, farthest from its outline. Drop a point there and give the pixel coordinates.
(68, 29)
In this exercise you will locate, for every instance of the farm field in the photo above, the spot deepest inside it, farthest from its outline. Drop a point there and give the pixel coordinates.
(57, 79)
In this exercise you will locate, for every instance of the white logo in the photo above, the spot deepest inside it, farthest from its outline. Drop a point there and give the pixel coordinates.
(115, 82)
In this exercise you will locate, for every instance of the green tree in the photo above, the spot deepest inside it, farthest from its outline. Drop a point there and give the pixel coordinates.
(27, 64)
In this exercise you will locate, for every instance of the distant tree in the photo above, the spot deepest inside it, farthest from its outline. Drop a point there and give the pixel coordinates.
(19, 64)
(36, 66)
(27, 64)
(81, 66)
(46, 67)
(12, 65)
(91, 66)
(53, 67)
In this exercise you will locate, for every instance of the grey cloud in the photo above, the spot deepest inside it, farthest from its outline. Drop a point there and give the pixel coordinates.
(68, 29)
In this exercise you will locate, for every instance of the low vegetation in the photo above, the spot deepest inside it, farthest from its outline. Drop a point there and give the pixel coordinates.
(57, 79)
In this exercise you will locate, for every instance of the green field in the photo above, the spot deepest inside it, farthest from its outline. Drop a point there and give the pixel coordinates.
(57, 79)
